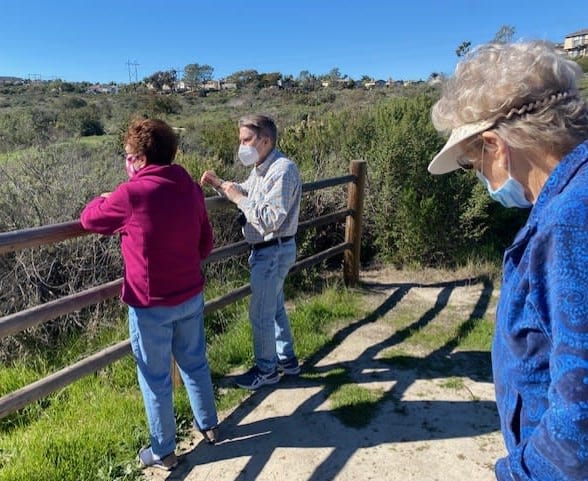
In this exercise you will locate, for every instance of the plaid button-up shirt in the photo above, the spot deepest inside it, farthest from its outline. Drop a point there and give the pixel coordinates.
(272, 205)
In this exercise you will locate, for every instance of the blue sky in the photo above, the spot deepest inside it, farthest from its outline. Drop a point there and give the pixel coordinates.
(93, 40)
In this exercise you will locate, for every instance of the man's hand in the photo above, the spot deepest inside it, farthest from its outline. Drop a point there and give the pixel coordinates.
(210, 178)
(231, 191)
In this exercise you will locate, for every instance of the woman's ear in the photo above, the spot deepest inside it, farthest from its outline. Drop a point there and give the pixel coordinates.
(141, 160)
(495, 148)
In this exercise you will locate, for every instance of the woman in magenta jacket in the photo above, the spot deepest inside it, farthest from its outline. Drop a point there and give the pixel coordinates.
(165, 233)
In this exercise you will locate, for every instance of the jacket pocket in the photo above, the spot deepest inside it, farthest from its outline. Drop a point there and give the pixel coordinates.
(514, 422)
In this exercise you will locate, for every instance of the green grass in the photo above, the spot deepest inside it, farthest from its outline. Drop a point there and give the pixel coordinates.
(480, 337)
(92, 429)
(312, 317)
(90, 141)
(354, 405)
(88, 431)
(429, 338)
(456, 383)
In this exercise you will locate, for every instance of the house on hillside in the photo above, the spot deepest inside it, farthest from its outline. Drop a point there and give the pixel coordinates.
(102, 89)
(217, 85)
(576, 44)
(375, 84)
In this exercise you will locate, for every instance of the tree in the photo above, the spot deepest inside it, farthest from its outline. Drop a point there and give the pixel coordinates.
(270, 78)
(463, 49)
(436, 77)
(196, 74)
(504, 34)
(304, 76)
(334, 74)
(306, 80)
(163, 78)
(243, 78)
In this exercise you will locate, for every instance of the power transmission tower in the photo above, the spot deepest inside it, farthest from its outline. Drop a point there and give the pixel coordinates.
(132, 67)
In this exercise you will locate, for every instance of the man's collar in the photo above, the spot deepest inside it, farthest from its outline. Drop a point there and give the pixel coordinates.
(262, 168)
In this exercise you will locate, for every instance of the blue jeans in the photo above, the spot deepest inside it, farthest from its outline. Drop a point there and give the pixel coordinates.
(272, 336)
(157, 333)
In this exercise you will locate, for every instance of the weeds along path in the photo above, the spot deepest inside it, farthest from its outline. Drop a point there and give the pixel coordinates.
(403, 393)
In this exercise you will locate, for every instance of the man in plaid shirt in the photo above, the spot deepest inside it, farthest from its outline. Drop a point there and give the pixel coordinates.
(270, 204)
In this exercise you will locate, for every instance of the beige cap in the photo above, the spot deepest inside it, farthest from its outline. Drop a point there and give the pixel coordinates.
(446, 160)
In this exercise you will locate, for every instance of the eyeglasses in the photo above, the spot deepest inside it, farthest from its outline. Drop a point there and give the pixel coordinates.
(469, 150)
(464, 163)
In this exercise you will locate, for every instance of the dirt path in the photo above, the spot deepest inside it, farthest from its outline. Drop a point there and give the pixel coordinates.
(422, 430)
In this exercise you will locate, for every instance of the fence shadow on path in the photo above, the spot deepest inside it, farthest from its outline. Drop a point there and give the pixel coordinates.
(309, 425)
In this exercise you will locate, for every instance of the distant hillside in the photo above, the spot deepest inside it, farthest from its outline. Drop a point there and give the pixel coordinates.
(10, 80)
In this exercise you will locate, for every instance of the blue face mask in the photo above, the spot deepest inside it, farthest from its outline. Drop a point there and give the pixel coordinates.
(509, 194)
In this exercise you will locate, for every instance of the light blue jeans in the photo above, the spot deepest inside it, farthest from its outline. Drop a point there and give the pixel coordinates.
(272, 336)
(157, 333)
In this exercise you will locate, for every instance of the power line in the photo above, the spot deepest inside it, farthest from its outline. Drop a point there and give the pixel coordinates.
(132, 67)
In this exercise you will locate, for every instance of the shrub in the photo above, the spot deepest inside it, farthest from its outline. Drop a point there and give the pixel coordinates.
(163, 105)
(219, 140)
(583, 62)
(91, 126)
(46, 187)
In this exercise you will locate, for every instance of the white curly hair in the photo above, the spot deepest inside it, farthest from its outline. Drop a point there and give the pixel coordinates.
(527, 90)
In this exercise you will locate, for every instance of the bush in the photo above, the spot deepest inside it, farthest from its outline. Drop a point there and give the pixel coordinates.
(163, 105)
(73, 103)
(219, 141)
(47, 187)
(90, 127)
(583, 62)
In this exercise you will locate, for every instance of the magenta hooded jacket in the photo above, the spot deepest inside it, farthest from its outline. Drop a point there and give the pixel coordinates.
(164, 230)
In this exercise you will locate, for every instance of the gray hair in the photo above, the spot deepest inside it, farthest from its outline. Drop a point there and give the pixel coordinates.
(527, 89)
(262, 125)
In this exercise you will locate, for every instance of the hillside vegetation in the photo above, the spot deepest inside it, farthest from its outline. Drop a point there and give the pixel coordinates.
(60, 148)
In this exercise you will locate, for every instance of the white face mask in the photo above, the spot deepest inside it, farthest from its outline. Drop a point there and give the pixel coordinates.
(248, 155)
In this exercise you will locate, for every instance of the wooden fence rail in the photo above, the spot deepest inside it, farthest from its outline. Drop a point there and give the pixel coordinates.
(35, 237)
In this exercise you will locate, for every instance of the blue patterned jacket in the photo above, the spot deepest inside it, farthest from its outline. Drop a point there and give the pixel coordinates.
(540, 347)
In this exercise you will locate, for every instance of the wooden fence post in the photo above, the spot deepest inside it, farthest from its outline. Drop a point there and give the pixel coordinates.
(353, 225)
(175, 374)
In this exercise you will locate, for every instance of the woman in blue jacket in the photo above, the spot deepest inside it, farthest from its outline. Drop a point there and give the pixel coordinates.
(517, 119)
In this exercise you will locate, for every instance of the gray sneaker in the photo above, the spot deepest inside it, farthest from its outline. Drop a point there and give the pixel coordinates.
(289, 367)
